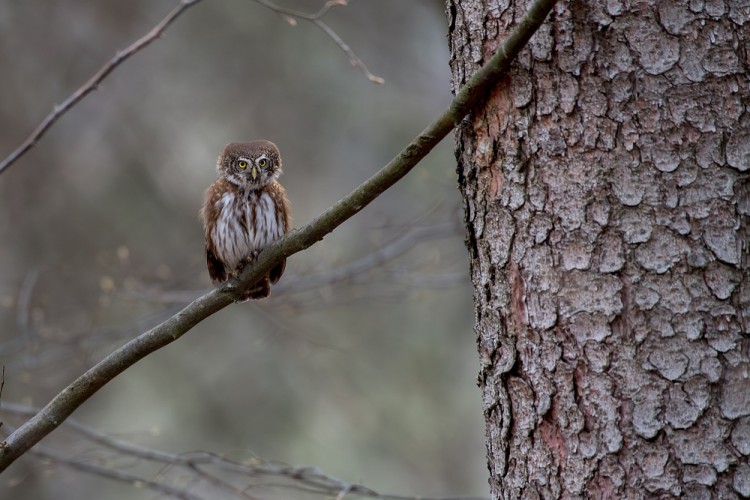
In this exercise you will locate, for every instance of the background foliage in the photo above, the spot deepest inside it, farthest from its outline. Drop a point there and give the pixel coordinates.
(371, 379)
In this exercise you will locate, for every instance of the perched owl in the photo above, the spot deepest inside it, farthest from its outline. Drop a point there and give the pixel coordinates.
(244, 211)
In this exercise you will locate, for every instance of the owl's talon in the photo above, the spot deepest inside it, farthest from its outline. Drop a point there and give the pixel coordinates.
(250, 258)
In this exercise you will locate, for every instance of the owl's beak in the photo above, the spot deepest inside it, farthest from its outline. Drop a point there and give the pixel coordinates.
(254, 172)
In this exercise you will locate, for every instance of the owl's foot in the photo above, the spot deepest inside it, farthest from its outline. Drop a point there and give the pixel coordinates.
(260, 290)
(247, 260)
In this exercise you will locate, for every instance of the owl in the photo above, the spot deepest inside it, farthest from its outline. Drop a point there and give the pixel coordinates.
(244, 211)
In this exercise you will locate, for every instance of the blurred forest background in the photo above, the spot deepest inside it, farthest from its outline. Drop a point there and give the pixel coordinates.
(361, 363)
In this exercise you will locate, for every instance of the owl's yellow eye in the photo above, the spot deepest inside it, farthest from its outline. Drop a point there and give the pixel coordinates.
(262, 163)
(242, 164)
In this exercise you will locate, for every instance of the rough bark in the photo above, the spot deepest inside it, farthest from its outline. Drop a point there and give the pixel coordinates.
(605, 187)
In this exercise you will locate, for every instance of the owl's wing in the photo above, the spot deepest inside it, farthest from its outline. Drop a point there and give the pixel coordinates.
(277, 271)
(283, 218)
(216, 269)
(209, 213)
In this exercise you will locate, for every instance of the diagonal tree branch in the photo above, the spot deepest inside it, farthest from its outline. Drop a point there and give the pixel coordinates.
(471, 94)
(93, 83)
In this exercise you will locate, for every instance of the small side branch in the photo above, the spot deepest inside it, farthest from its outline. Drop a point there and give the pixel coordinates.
(317, 19)
(93, 83)
(114, 474)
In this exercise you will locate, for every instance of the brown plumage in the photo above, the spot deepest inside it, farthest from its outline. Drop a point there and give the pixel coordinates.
(245, 210)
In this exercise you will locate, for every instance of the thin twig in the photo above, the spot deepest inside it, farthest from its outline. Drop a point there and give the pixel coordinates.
(93, 83)
(219, 483)
(347, 273)
(317, 20)
(386, 253)
(470, 95)
(48, 455)
(309, 477)
(116, 474)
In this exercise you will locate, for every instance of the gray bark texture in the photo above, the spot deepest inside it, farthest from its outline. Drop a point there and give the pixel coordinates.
(606, 192)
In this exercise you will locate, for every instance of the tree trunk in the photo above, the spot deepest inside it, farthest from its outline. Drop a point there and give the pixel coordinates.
(605, 187)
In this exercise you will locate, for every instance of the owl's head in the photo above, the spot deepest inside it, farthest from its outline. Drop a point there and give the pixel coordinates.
(250, 164)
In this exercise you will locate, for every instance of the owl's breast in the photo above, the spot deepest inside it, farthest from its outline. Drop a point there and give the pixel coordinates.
(246, 222)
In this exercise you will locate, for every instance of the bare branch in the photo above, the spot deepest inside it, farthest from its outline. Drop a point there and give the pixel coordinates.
(387, 252)
(470, 95)
(121, 56)
(308, 478)
(110, 473)
(347, 273)
(317, 20)
(93, 83)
